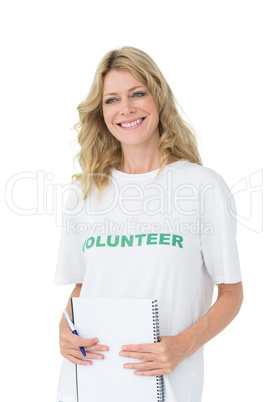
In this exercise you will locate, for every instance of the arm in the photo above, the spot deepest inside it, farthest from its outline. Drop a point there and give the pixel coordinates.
(163, 357)
(219, 316)
(70, 343)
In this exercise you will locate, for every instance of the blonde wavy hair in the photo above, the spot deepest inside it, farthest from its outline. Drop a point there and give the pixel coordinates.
(100, 151)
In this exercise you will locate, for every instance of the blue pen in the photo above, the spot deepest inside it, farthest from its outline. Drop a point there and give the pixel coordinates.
(72, 328)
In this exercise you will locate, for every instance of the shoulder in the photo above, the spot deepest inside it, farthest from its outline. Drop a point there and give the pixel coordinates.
(201, 174)
(199, 171)
(204, 180)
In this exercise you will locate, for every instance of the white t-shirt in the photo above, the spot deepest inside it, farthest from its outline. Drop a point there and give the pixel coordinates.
(171, 239)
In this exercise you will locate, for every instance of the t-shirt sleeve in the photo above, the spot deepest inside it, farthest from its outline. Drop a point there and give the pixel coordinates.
(219, 246)
(71, 264)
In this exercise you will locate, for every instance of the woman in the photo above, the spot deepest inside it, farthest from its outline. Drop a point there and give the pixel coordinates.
(142, 180)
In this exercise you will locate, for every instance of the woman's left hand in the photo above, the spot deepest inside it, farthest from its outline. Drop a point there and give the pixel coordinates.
(162, 357)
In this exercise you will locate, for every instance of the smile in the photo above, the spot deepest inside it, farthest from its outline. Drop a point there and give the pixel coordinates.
(134, 123)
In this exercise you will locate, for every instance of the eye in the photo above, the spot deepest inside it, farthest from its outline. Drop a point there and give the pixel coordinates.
(109, 101)
(139, 94)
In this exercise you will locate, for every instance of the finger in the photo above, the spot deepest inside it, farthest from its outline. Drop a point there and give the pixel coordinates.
(144, 347)
(78, 354)
(140, 356)
(154, 372)
(75, 360)
(78, 342)
(142, 366)
(97, 356)
(68, 348)
(96, 347)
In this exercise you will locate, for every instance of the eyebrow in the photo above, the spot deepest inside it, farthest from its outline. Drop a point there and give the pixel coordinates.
(131, 89)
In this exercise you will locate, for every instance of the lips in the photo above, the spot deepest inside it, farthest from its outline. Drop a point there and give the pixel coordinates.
(131, 123)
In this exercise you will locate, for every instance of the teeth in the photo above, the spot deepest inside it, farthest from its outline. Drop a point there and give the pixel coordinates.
(134, 123)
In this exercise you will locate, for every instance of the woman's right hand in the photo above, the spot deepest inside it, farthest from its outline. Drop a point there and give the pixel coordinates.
(70, 343)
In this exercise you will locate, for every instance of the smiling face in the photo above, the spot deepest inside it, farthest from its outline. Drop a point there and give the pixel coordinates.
(129, 110)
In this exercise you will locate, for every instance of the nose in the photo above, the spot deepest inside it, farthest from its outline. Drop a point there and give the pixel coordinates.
(127, 107)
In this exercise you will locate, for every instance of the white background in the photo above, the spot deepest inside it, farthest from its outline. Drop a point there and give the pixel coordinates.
(214, 56)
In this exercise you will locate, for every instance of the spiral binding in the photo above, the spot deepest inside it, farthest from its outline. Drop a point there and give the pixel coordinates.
(156, 331)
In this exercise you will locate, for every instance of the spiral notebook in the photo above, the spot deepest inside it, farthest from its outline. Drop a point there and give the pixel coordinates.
(116, 322)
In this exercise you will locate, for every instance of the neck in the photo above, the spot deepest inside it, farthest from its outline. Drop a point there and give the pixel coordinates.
(140, 160)
(142, 165)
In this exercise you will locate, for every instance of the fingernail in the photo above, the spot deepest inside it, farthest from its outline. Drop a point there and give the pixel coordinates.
(104, 348)
(99, 357)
